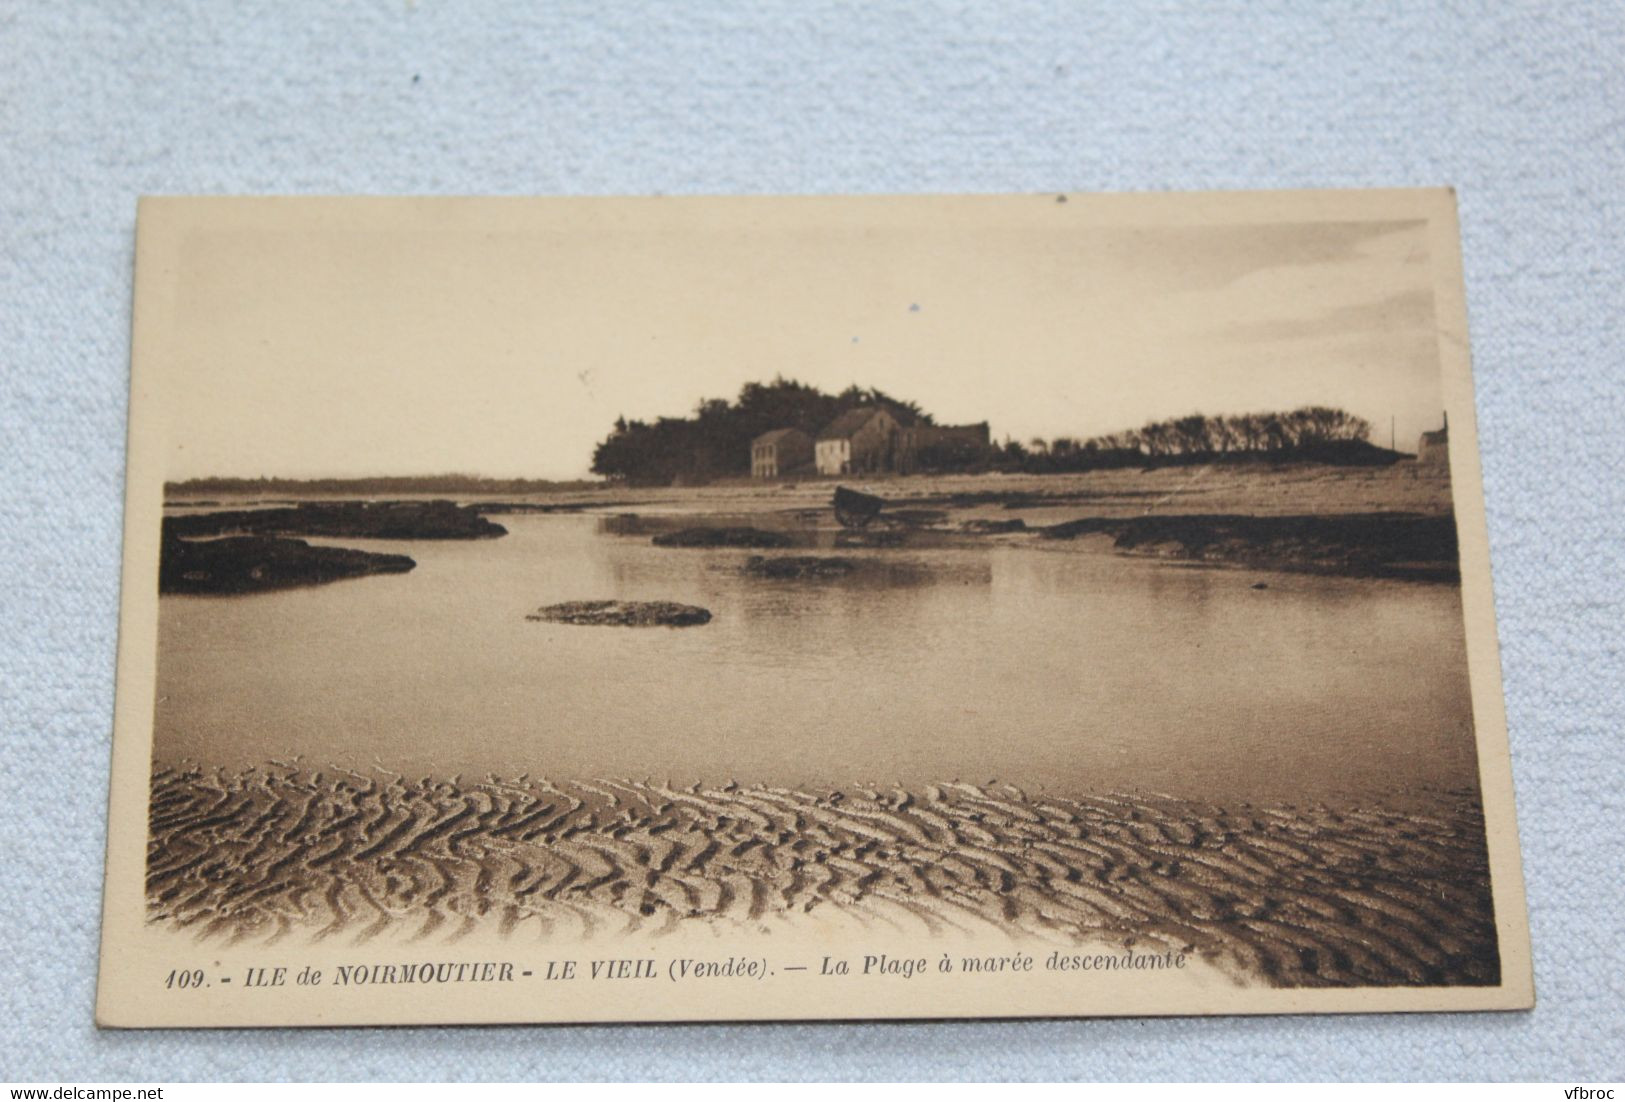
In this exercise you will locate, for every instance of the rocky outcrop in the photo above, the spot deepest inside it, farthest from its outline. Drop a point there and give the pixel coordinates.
(1084, 526)
(625, 614)
(916, 518)
(378, 520)
(256, 564)
(1393, 545)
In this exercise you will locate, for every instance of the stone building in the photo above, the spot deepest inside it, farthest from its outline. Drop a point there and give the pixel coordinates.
(1433, 450)
(780, 452)
(860, 441)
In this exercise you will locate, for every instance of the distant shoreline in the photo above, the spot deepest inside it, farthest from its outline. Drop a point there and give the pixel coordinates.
(452, 484)
(460, 485)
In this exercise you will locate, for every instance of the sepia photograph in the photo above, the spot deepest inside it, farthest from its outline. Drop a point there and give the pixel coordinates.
(881, 607)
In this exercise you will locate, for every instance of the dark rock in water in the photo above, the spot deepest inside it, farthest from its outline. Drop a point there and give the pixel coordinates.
(799, 566)
(1391, 545)
(1087, 526)
(379, 520)
(256, 564)
(993, 527)
(917, 518)
(879, 537)
(626, 614)
(722, 537)
(1376, 545)
(1260, 585)
(499, 508)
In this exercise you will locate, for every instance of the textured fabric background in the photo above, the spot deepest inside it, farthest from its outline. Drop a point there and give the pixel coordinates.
(1520, 106)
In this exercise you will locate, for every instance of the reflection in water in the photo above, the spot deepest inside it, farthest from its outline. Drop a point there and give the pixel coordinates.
(1021, 662)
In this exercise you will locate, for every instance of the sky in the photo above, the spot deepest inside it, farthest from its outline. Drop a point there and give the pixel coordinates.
(505, 340)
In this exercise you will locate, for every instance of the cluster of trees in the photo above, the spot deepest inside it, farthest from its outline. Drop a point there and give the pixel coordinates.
(715, 441)
(1312, 432)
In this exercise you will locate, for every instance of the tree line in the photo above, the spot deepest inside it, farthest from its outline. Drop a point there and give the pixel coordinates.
(1318, 433)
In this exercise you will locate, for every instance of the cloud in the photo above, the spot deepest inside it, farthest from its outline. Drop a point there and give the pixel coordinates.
(1215, 258)
(1406, 310)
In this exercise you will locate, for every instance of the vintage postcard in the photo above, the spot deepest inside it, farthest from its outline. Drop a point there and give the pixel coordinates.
(797, 608)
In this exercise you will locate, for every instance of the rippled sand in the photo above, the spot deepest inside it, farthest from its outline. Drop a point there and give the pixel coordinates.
(1305, 895)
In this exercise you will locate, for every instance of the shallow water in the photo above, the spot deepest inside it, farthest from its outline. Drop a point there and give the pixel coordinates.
(1060, 666)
